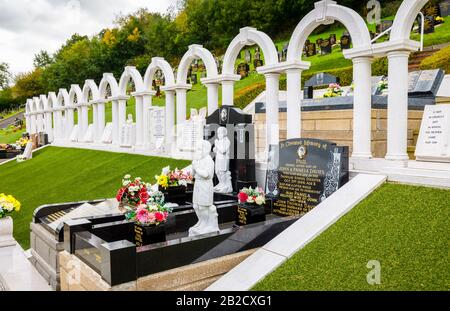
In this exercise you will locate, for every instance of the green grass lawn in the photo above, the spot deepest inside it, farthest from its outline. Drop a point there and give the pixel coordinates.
(56, 175)
(405, 228)
(9, 137)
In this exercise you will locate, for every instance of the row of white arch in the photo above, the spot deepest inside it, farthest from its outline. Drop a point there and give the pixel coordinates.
(45, 113)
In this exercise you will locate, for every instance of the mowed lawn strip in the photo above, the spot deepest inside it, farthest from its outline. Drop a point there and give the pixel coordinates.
(405, 228)
(57, 175)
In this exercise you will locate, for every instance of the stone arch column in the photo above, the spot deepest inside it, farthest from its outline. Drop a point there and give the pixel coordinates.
(66, 125)
(131, 73)
(326, 12)
(75, 90)
(170, 88)
(90, 87)
(196, 51)
(108, 79)
(50, 116)
(28, 108)
(398, 49)
(250, 36)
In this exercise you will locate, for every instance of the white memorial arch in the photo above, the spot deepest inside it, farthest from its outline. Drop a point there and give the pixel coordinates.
(109, 81)
(89, 98)
(397, 50)
(158, 63)
(211, 81)
(250, 36)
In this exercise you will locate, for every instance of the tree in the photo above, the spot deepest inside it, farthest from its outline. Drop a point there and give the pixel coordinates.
(42, 59)
(5, 76)
(28, 85)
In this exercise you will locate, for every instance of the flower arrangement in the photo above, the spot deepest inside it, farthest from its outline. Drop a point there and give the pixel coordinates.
(8, 205)
(22, 142)
(148, 214)
(173, 178)
(333, 90)
(133, 192)
(439, 19)
(252, 196)
(383, 85)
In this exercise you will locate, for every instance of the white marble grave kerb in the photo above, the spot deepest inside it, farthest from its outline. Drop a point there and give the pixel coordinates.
(433, 143)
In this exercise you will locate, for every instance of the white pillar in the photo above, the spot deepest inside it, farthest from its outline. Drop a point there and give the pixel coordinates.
(59, 130)
(147, 104)
(181, 105)
(397, 136)
(362, 107)
(28, 123)
(33, 127)
(115, 122)
(293, 101)
(170, 116)
(48, 126)
(40, 123)
(213, 97)
(100, 120)
(272, 109)
(70, 122)
(227, 93)
(122, 116)
(139, 120)
(85, 120)
(95, 120)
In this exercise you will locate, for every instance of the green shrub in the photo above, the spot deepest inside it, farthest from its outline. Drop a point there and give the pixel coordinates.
(345, 75)
(380, 67)
(440, 59)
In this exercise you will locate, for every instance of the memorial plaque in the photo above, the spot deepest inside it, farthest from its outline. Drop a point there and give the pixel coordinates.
(444, 7)
(107, 133)
(157, 127)
(433, 143)
(310, 170)
(190, 135)
(247, 214)
(311, 49)
(431, 10)
(145, 235)
(272, 172)
(346, 42)
(243, 70)
(325, 47)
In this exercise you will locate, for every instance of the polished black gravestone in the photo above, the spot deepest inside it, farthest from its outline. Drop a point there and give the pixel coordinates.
(145, 235)
(247, 214)
(241, 133)
(309, 171)
(243, 69)
(311, 49)
(333, 39)
(346, 42)
(325, 47)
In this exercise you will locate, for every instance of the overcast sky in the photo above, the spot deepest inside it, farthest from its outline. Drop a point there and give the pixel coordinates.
(28, 26)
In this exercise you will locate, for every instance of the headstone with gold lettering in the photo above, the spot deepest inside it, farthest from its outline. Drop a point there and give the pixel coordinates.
(309, 171)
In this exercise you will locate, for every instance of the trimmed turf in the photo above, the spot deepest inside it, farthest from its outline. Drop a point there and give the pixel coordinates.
(405, 228)
(9, 137)
(57, 175)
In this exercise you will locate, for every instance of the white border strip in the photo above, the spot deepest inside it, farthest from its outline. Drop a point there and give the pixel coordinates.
(15, 158)
(285, 245)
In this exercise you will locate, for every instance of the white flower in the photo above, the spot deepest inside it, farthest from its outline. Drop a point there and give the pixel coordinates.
(182, 182)
(126, 183)
(259, 200)
(127, 176)
(153, 207)
(250, 200)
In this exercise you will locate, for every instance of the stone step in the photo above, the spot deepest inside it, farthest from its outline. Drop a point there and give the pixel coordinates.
(195, 275)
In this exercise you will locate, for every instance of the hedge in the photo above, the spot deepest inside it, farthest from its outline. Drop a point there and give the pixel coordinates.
(440, 59)
(345, 75)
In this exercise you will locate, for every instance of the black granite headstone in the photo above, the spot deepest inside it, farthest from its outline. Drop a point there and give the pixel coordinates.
(258, 63)
(325, 47)
(310, 170)
(241, 133)
(311, 49)
(194, 78)
(346, 42)
(319, 41)
(243, 70)
(247, 214)
(146, 235)
(428, 25)
(333, 39)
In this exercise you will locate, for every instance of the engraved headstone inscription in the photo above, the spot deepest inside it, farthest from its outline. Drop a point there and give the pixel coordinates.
(311, 49)
(325, 47)
(309, 171)
(433, 143)
(425, 83)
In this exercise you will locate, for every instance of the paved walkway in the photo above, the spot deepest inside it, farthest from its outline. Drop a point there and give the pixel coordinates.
(4, 123)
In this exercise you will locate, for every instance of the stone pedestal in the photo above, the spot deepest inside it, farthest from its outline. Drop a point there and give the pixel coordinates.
(6, 232)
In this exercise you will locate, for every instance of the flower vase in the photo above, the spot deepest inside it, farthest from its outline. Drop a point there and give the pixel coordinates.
(174, 194)
(145, 235)
(6, 232)
(247, 214)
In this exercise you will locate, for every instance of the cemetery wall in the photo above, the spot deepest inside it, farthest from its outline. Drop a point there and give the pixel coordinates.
(337, 125)
(194, 277)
